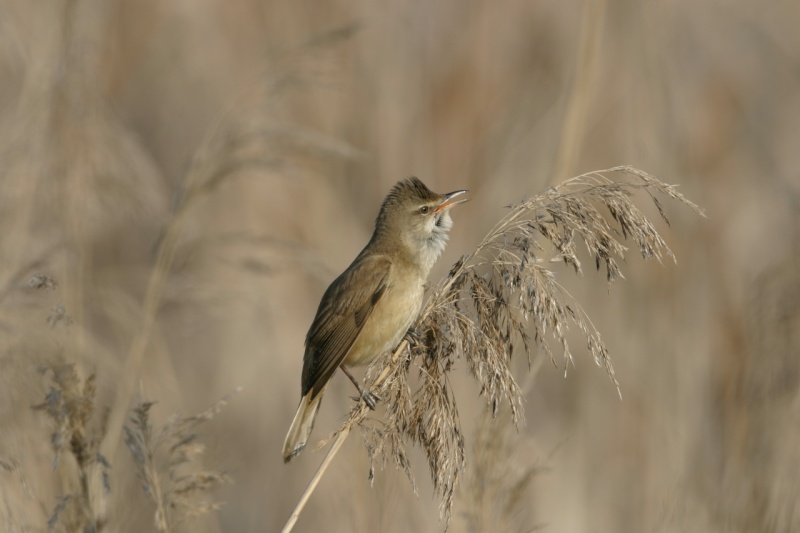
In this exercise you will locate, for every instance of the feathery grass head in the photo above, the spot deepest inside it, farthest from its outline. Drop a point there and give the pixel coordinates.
(504, 298)
(69, 403)
(166, 461)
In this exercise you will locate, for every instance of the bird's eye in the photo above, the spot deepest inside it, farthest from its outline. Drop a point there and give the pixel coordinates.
(424, 209)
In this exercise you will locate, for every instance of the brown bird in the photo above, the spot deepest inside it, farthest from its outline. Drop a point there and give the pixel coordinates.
(368, 309)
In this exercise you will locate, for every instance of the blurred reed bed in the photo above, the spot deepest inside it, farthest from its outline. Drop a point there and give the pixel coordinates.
(178, 182)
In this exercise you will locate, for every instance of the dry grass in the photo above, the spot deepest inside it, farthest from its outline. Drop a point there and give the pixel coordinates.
(167, 462)
(501, 298)
(167, 459)
(69, 404)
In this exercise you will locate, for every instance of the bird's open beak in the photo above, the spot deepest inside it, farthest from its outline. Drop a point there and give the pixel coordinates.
(450, 200)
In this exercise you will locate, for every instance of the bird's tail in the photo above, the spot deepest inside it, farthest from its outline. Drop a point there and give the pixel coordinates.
(302, 425)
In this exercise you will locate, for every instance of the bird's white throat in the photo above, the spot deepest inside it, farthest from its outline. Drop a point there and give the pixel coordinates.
(433, 245)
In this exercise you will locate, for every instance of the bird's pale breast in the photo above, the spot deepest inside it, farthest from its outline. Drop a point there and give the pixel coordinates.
(387, 324)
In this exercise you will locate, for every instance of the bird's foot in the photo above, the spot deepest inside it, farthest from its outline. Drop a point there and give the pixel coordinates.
(369, 398)
(413, 337)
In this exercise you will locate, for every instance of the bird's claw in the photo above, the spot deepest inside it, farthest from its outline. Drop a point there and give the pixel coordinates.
(369, 398)
(413, 337)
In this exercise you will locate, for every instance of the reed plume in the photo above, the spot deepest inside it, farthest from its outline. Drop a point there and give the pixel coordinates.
(503, 298)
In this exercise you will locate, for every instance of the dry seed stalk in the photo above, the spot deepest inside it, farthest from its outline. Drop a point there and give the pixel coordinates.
(501, 297)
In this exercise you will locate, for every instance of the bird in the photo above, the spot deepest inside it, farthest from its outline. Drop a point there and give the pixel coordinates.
(371, 306)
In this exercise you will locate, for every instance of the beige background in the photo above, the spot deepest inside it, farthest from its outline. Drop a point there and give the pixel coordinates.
(285, 123)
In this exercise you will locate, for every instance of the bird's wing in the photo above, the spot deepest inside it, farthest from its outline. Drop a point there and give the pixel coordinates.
(344, 309)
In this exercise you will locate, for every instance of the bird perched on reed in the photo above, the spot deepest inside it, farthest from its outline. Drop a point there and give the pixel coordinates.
(368, 309)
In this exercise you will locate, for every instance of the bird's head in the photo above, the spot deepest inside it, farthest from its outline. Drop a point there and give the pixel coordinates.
(418, 219)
